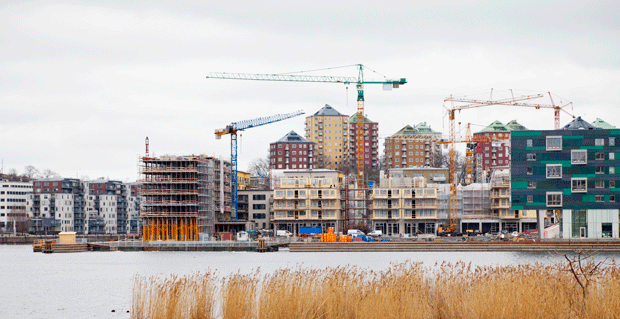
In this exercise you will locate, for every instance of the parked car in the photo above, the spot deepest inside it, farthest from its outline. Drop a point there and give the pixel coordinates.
(376, 233)
(515, 234)
(355, 232)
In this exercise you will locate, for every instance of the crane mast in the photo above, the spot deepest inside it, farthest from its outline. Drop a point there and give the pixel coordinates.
(232, 129)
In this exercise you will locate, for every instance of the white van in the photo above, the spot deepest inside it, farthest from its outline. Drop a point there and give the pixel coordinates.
(355, 232)
(283, 233)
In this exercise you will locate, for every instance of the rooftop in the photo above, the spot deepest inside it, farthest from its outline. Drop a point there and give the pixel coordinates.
(579, 124)
(424, 128)
(598, 123)
(327, 110)
(292, 137)
(495, 127)
(515, 126)
(353, 119)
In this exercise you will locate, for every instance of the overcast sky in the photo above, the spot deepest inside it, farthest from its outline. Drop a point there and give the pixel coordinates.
(83, 83)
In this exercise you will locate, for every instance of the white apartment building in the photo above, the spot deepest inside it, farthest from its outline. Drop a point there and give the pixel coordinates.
(13, 199)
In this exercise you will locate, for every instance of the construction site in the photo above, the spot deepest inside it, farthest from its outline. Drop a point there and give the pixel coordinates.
(180, 195)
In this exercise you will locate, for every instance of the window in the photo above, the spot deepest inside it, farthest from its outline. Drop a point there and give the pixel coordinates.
(599, 184)
(554, 143)
(612, 141)
(599, 198)
(579, 185)
(612, 156)
(529, 143)
(258, 197)
(530, 170)
(599, 170)
(530, 198)
(599, 156)
(612, 198)
(612, 170)
(579, 156)
(531, 156)
(554, 170)
(612, 184)
(258, 206)
(599, 142)
(554, 199)
(531, 184)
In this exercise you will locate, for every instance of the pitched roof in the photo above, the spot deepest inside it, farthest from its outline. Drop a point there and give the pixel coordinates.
(327, 110)
(292, 137)
(598, 123)
(424, 128)
(353, 119)
(407, 130)
(496, 126)
(579, 124)
(515, 126)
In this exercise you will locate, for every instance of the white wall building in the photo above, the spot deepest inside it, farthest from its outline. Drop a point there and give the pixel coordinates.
(13, 202)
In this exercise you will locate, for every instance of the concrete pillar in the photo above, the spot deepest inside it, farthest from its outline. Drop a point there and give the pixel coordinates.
(541, 224)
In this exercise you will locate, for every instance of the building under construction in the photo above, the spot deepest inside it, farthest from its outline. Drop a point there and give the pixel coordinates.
(180, 195)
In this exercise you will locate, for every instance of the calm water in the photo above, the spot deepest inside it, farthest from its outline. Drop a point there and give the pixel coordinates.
(91, 285)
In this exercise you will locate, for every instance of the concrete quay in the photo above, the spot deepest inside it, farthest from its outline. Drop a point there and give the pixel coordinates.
(137, 245)
(445, 246)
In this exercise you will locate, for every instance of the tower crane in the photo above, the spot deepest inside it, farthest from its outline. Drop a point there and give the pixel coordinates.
(458, 104)
(359, 82)
(235, 127)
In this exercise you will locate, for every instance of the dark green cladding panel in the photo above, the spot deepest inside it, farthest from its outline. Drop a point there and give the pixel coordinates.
(525, 133)
(518, 184)
(586, 198)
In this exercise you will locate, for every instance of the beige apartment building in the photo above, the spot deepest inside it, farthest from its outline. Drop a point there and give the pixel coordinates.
(412, 146)
(308, 198)
(328, 128)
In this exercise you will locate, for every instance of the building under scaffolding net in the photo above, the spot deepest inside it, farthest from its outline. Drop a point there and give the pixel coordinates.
(179, 196)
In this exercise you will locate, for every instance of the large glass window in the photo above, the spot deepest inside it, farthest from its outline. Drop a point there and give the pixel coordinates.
(529, 143)
(531, 156)
(579, 185)
(599, 156)
(579, 156)
(530, 170)
(599, 184)
(599, 170)
(554, 199)
(531, 184)
(554, 170)
(612, 141)
(599, 142)
(554, 143)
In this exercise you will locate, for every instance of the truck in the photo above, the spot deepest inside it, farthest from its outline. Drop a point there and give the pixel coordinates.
(310, 231)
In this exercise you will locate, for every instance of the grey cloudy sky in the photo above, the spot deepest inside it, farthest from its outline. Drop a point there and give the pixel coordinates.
(83, 83)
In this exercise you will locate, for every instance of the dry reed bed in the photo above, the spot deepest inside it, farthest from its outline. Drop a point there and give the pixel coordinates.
(406, 290)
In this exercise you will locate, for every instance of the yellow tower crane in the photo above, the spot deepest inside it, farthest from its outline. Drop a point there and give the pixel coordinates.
(463, 103)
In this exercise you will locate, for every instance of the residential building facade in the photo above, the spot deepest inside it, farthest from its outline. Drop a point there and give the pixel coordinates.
(308, 198)
(292, 152)
(493, 148)
(370, 133)
(328, 128)
(13, 204)
(412, 147)
(568, 177)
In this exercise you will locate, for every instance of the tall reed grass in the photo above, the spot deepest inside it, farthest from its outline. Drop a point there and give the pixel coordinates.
(404, 290)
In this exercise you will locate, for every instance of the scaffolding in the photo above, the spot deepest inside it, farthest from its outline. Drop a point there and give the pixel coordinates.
(177, 197)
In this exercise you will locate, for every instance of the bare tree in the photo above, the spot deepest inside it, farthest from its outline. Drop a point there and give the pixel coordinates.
(260, 167)
(31, 172)
(18, 221)
(48, 173)
(12, 175)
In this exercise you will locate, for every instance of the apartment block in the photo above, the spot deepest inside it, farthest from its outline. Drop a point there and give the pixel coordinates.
(308, 198)
(292, 152)
(370, 133)
(412, 146)
(257, 206)
(13, 204)
(405, 205)
(493, 148)
(328, 128)
(183, 196)
(569, 178)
